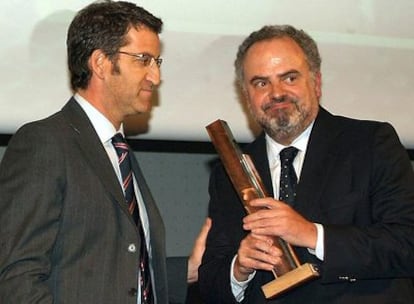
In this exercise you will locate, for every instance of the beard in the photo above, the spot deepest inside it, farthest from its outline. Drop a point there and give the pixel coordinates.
(283, 124)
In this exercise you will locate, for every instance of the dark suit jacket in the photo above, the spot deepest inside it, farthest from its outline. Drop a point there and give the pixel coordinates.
(358, 182)
(66, 235)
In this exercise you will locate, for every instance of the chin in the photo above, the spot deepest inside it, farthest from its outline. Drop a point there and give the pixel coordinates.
(143, 107)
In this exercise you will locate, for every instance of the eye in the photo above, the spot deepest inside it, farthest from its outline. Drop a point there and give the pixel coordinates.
(144, 58)
(291, 78)
(260, 83)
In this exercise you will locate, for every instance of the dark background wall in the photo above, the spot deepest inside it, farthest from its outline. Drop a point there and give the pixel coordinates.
(177, 173)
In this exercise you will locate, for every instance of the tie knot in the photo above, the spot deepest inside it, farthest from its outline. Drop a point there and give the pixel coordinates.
(120, 145)
(288, 154)
(118, 138)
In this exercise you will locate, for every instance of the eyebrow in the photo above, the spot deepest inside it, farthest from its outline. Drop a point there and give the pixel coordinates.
(283, 75)
(287, 73)
(255, 78)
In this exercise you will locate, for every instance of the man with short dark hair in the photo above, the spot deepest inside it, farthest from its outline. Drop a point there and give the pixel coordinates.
(78, 222)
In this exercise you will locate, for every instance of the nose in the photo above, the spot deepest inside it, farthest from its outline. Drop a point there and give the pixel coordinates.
(277, 91)
(154, 74)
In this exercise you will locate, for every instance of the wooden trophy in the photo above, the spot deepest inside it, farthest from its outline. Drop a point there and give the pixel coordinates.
(248, 185)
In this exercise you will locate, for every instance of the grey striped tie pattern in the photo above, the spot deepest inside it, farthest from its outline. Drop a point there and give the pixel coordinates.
(124, 161)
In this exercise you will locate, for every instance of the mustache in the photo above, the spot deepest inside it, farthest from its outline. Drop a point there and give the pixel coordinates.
(280, 99)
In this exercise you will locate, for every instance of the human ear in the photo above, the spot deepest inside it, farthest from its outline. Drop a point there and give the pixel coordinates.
(97, 63)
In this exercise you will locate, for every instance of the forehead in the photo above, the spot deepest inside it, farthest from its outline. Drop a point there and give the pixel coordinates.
(142, 39)
(274, 53)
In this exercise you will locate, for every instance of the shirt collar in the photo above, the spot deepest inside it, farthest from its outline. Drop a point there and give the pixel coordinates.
(103, 127)
(300, 143)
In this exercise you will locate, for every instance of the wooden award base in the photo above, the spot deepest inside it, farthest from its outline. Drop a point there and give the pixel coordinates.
(289, 280)
(249, 185)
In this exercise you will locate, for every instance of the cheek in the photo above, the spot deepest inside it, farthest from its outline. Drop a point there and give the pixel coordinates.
(257, 97)
(252, 101)
(254, 108)
(132, 77)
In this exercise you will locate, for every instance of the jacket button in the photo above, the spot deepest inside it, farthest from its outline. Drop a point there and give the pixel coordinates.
(132, 248)
(132, 292)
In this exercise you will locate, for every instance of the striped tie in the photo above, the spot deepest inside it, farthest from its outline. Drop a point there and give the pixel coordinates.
(124, 161)
(288, 179)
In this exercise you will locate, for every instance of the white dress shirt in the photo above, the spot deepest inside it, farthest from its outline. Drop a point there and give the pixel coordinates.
(106, 130)
(273, 149)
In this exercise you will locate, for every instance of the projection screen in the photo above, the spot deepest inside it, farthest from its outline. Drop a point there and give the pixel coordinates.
(367, 52)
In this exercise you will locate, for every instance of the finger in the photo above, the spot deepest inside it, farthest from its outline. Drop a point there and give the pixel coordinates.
(257, 243)
(261, 219)
(204, 230)
(263, 238)
(257, 259)
(266, 202)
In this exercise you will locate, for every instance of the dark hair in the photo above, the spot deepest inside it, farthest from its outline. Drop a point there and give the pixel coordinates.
(305, 42)
(103, 26)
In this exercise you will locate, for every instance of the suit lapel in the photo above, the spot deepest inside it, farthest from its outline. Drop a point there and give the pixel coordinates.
(257, 150)
(319, 162)
(156, 228)
(149, 203)
(92, 150)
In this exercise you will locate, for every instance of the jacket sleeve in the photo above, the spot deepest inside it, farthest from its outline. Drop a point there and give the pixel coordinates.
(379, 241)
(30, 207)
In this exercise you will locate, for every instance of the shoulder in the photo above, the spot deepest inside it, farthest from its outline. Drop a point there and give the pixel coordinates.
(46, 136)
(38, 130)
(53, 128)
(351, 129)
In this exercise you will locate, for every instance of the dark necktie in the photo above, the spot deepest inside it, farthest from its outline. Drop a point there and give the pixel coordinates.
(288, 179)
(124, 161)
